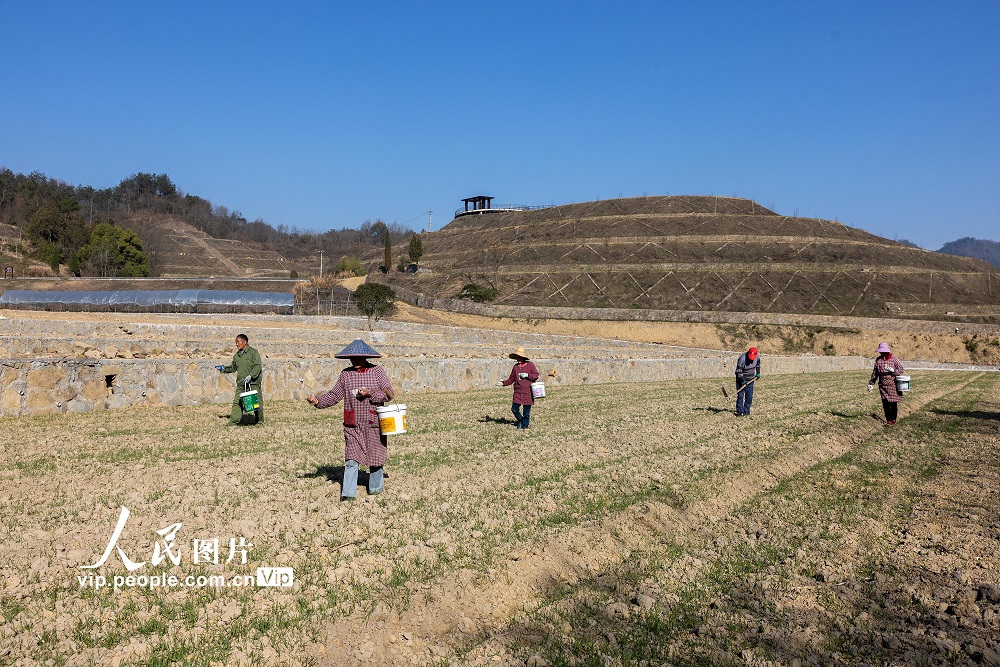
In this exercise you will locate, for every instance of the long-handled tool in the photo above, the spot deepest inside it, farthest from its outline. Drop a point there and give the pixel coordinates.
(726, 393)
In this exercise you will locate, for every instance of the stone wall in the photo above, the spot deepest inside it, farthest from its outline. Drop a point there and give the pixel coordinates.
(292, 337)
(57, 386)
(78, 365)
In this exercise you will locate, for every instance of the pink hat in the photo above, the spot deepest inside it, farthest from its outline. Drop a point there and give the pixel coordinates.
(883, 347)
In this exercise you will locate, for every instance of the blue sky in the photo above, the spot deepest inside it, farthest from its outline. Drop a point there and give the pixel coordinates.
(321, 115)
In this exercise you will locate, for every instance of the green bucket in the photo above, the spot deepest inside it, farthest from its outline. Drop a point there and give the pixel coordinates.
(250, 401)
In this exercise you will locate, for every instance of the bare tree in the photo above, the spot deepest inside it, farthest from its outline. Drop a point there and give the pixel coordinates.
(495, 255)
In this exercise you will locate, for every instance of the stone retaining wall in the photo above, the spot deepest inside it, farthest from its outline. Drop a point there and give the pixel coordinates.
(301, 337)
(56, 386)
(71, 365)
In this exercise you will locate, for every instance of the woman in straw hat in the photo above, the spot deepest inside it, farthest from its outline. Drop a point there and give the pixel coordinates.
(521, 376)
(887, 367)
(362, 387)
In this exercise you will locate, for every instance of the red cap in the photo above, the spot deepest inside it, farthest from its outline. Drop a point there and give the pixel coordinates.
(752, 353)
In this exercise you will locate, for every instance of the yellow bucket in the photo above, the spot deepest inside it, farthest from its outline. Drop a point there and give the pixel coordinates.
(391, 419)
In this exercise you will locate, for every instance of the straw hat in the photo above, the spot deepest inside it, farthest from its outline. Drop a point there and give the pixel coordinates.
(883, 347)
(518, 353)
(357, 348)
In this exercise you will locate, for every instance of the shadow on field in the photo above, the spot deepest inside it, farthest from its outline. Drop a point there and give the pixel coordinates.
(711, 408)
(332, 473)
(704, 631)
(968, 414)
(489, 419)
(335, 474)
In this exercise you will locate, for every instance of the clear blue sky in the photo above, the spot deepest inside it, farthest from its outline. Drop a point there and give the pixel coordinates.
(320, 115)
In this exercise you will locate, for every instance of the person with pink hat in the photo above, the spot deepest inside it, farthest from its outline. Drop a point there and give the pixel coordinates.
(887, 367)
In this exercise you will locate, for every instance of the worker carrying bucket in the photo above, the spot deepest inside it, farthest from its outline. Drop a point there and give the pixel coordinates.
(892, 382)
(246, 364)
(363, 388)
(523, 375)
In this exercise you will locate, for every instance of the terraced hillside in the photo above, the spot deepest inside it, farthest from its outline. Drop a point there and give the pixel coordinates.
(188, 252)
(697, 253)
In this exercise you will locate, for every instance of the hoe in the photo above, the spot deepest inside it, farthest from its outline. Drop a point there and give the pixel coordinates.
(726, 393)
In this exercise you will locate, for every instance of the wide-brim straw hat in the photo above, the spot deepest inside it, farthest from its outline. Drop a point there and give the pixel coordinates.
(357, 348)
(883, 347)
(518, 353)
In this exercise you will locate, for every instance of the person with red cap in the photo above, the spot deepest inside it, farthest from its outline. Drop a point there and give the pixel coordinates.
(887, 367)
(747, 372)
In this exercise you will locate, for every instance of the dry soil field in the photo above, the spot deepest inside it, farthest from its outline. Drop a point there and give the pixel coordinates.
(632, 525)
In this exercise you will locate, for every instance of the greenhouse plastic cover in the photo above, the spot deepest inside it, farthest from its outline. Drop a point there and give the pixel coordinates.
(150, 298)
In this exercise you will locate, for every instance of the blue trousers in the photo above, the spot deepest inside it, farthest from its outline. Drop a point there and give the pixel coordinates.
(744, 399)
(522, 418)
(349, 489)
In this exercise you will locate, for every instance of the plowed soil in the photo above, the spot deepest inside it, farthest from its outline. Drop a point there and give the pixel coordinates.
(631, 525)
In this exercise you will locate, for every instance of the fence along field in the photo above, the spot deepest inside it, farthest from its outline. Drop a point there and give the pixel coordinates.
(632, 524)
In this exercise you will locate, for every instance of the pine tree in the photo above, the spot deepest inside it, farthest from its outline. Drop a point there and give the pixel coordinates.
(416, 249)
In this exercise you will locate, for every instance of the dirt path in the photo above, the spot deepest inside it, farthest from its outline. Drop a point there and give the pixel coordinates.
(225, 261)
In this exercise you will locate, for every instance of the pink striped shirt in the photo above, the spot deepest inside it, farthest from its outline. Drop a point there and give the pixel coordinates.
(362, 440)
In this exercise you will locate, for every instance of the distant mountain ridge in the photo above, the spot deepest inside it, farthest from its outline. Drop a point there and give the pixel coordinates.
(988, 251)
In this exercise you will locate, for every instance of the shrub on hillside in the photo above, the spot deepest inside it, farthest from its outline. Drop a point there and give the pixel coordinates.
(351, 265)
(477, 293)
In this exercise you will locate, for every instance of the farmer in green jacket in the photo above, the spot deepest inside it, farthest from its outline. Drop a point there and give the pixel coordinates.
(246, 364)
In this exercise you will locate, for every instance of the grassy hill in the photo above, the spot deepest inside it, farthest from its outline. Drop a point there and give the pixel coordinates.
(697, 253)
(181, 250)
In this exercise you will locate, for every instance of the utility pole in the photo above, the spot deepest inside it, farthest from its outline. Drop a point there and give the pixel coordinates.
(320, 263)
(429, 221)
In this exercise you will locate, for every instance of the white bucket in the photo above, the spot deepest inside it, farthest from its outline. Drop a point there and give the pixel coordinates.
(538, 389)
(902, 383)
(391, 419)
